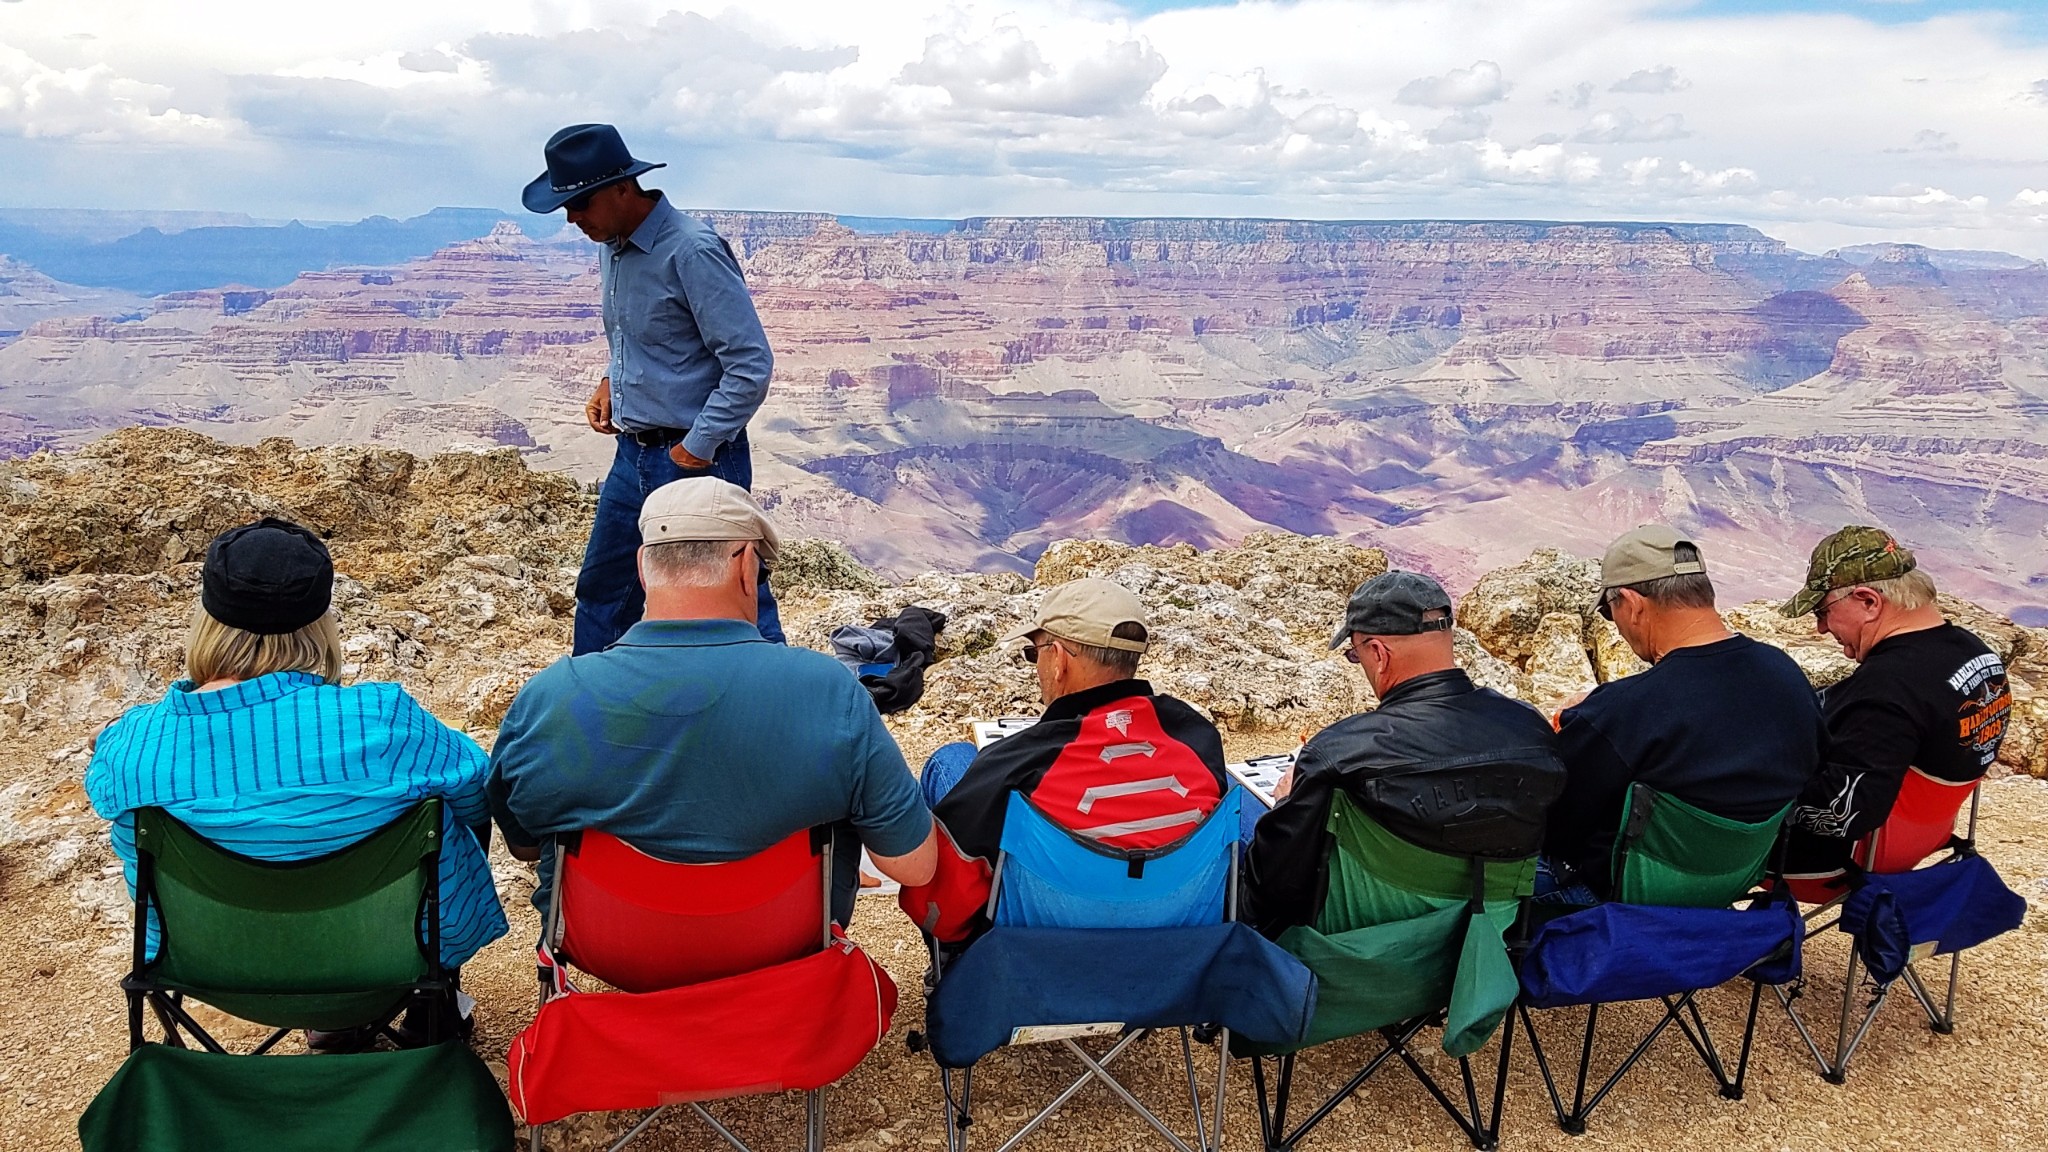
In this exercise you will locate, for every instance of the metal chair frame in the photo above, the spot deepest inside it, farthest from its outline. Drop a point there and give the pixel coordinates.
(431, 991)
(1481, 1128)
(1208, 1131)
(1850, 1032)
(814, 1100)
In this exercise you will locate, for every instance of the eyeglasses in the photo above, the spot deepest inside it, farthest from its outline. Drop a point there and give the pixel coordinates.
(1030, 651)
(579, 203)
(766, 566)
(1606, 605)
(1820, 611)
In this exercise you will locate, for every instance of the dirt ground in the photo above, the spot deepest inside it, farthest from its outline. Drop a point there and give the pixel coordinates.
(62, 1033)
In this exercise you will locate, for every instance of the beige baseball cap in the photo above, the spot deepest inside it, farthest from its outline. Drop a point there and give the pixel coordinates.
(1087, 612)
(1647, 553)
(706, 508)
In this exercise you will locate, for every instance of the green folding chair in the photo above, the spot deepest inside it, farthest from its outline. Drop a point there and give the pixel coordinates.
(346, 939)
(164, 1099)
(1407, 939)
(342, 940)
(1671, 854)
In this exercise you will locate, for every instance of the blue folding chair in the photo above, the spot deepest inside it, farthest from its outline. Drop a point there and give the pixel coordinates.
(1672, 934)
(1090, 940)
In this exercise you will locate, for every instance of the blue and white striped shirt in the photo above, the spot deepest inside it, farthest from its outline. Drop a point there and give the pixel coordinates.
(288, 766)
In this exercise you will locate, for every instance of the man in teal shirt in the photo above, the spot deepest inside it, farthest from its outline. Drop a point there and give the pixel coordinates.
(695, 740)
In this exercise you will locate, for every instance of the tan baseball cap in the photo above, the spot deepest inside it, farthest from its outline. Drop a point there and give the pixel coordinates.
(1087, 612)
(706, 508)
(1648, 553)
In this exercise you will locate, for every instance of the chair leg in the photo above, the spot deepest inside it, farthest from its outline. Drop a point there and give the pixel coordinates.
(1756, 996)
(1222, 1086)
(1838, 1072)
(1099, 1072)
(533, 1137)
(1542, 1064)
(814, 1120)
(957, 1115)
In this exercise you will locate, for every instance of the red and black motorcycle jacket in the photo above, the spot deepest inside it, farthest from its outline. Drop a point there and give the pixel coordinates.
(1117, 763)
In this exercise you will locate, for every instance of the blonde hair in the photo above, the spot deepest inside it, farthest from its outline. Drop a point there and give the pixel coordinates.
(1907, 591)
(217, 651)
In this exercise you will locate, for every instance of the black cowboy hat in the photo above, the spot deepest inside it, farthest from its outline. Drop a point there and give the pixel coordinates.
(581, 159)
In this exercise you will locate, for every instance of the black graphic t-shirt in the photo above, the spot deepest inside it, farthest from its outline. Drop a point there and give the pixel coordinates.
(1935, 700)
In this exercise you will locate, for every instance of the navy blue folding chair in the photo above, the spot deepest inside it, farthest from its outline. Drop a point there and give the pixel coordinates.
(1090, 940)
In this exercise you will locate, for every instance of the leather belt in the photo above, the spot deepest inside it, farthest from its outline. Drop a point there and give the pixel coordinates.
(657, 437)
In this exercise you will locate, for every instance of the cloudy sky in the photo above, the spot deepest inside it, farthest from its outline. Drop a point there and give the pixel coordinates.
(1825, 122)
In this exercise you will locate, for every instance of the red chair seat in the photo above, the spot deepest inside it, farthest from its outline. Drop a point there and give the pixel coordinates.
(793, 1027)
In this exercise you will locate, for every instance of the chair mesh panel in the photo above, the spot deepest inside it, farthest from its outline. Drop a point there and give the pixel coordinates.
(321, 943)
(1678, 856)
(642, 924)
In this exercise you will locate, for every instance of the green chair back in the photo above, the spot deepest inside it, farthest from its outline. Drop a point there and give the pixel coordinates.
(1672, 854)
(1399, 935)
(323, 943)
(435, 1099)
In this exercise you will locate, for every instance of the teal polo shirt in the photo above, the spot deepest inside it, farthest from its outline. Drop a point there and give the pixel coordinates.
(698, 741)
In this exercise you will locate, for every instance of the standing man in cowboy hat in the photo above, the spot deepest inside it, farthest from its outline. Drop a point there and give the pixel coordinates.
(689, 363)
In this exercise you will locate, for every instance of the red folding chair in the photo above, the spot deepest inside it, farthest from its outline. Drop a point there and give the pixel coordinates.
(1921, 826)
(732, 981)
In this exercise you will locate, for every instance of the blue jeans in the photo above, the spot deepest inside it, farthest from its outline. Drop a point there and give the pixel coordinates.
(1556, 886)
(945, 767)
(609, 598)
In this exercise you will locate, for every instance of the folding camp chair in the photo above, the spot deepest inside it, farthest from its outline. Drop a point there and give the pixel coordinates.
(1898, 913)
(341, 940)
(345, 939)
(1671, 934)
(1091, 940)
(1407, 939)
(740, 958)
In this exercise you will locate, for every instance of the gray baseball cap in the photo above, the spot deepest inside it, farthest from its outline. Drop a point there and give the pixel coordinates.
(1395, 604)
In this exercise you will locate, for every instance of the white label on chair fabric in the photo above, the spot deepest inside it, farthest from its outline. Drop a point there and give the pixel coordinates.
(1040, 1034)
(1921, 952)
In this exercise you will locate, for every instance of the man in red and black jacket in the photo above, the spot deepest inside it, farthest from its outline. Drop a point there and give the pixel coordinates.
(1110, 759)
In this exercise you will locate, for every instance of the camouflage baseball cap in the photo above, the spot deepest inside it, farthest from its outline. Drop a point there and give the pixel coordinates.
(1855, 555)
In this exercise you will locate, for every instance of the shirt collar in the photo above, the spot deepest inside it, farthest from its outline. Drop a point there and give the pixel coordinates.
(644, 236)
(689, 634)
(185, 697)
(1089, 699)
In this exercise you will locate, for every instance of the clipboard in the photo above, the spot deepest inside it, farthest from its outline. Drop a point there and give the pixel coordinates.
(1260, 775)
(987, 732)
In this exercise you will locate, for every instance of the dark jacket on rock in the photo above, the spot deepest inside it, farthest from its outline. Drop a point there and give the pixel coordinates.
(1441, 763)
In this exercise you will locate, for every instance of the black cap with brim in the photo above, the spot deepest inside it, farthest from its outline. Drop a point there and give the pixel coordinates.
(1395, 604)
(581, 158)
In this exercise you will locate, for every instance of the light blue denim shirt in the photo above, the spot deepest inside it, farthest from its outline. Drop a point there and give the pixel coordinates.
(687, 350)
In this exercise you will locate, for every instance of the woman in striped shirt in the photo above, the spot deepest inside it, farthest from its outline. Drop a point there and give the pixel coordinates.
(264, 752)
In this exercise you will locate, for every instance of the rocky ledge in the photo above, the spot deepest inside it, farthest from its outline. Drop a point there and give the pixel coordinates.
(457, 577)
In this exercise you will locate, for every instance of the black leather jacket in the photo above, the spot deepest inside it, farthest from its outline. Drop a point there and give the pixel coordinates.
(1442, 763)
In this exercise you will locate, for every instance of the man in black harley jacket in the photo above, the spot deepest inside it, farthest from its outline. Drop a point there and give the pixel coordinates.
(1441, 763)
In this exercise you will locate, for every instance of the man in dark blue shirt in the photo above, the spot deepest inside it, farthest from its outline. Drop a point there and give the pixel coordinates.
(1722, 722)
(693, 739)
(689, 363)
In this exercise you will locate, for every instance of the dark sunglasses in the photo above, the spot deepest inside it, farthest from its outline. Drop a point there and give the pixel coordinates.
(1030, 651)
(579, 203)
(765, 565)
(1606, 606)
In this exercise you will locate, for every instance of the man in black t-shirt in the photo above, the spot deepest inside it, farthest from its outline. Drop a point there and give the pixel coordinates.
(1719, 721)
(1926, 695)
